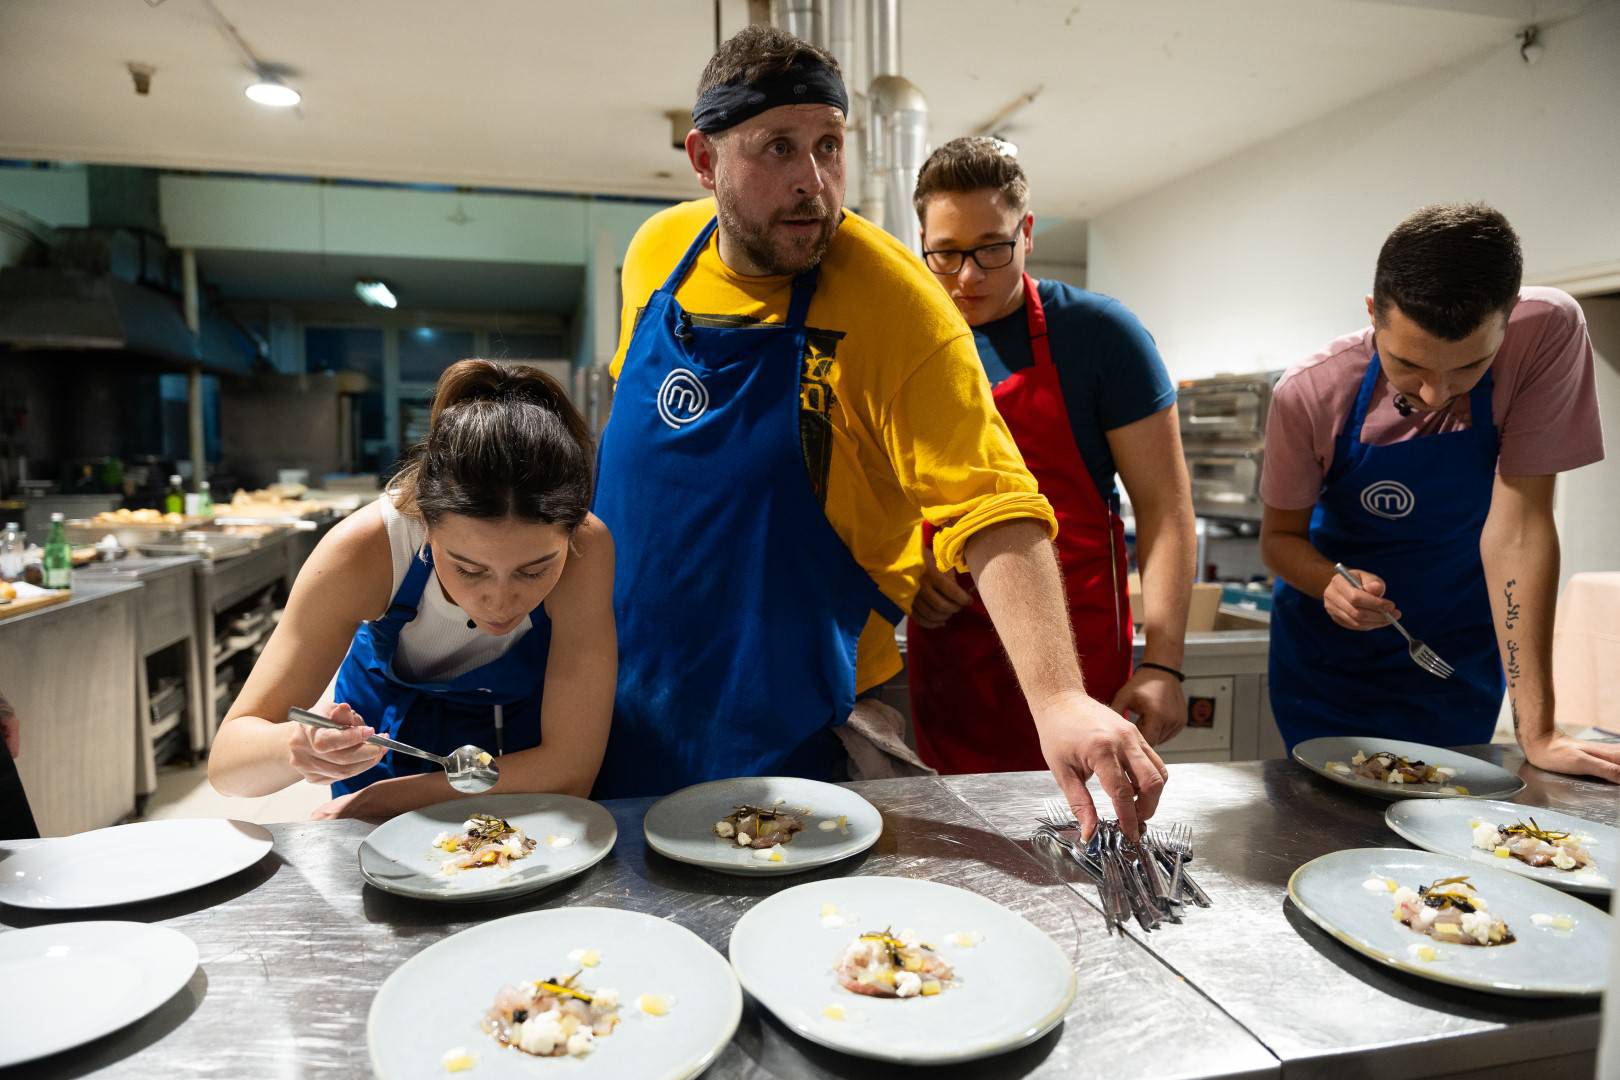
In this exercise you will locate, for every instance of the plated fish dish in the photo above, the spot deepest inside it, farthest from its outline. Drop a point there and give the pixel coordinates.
(1384, 767)
(885, 964)
(484, 840)
(1450, 910)
(552, 1017)
(758, 827)
(1531, 844)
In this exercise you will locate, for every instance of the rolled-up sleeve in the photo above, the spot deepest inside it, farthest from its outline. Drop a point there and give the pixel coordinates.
(954, 456)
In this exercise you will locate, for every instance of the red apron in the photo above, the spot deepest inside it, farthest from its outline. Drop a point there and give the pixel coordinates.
(966, 707)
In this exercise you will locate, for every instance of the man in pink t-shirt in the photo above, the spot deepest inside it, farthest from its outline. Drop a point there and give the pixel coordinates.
(1421, 453)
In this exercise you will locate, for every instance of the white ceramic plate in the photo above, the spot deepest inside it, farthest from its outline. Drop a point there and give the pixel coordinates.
(681, 824)
(71, 983)
(1475, 778)
(1447, 828)
(1013, 983)
(573, 834)
(1544, 962)
(436, 1000)
(129, 863)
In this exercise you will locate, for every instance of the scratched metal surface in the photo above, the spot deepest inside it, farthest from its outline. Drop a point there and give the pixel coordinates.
(294, 949)
(1310, 1000)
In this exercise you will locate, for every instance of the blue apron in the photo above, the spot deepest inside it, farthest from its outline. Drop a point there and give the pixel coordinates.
(440, 716)
(1410, 512)
(738, 606)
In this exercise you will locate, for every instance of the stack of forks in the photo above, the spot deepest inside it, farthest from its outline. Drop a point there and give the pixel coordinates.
(1146, 880)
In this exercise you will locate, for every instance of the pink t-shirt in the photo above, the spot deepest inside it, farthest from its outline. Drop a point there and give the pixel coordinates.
(1543, 398)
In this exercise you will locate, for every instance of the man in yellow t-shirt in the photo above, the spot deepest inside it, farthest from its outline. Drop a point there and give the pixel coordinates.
(795, 396)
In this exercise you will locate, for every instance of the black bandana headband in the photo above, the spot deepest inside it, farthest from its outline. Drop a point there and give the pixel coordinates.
(806, 82)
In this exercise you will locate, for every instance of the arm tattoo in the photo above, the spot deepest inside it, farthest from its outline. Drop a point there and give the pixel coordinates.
(1513, 609)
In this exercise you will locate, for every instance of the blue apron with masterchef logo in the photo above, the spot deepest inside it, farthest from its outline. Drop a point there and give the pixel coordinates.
(1410, 512)
(440, 716)
(738, 606)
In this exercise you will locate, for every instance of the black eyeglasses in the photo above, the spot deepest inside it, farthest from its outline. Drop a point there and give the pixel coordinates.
(988, 256)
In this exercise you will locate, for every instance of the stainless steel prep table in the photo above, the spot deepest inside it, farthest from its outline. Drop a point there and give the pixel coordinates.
(68, 669)
(220, 584)
(293, 951)
(167, 615)
(1309, 999)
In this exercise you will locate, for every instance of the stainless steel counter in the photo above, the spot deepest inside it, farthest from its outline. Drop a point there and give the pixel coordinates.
(1309, 999)
(78, 731)
(293, 949)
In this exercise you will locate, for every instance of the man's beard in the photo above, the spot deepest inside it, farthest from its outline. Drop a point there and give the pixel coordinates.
(754, 238)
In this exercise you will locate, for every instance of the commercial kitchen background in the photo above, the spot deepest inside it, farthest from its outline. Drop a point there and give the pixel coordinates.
(1227, 170)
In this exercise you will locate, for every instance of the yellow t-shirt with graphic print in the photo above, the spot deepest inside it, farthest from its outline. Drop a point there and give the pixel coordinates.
(895, 413)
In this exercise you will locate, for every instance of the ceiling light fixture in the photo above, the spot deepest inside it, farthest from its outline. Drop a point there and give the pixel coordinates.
(271, 91)
(375, 293)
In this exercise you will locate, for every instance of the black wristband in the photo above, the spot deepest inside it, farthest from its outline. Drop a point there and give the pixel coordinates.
(1164, 668)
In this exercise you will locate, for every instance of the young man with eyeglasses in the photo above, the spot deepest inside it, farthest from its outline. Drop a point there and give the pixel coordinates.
(766, 334)
(1085, 394)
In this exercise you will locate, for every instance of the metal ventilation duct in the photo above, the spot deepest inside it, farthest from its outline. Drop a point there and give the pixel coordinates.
(896, 130)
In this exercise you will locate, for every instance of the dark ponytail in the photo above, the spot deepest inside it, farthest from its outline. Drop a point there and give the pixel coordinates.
(504, 441)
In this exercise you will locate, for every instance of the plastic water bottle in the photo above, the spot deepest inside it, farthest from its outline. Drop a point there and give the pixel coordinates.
(12, 545)
(58, 557)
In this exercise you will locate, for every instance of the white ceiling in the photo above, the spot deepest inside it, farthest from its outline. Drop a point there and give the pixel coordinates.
(539, 94)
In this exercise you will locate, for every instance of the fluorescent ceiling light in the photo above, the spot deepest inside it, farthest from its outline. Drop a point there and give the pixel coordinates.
(375, 293)
(276, 94)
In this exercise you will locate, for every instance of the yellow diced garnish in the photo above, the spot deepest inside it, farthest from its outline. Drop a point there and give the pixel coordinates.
(833, 1012)
(884, 976)
(1426, 953)
(589, 958)
(484, 758)
(930, 988)
(913, 962)
(828, 909)
(1459, 789)
(488, 858)
(1473, 823)
(448, 845)
(776, 856)
(843, 823)
(1389, 883)
(653, 1004)
(457, 1060)
(1502, 853)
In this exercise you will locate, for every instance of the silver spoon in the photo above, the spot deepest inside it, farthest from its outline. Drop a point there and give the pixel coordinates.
(469, 769)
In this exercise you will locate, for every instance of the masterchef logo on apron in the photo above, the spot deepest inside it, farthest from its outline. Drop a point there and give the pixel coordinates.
(1388, 499)
(682, 398)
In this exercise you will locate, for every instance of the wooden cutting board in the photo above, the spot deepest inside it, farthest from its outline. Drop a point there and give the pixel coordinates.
(9, 608)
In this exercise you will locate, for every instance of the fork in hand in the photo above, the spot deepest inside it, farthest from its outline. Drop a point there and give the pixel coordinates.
(1423, 656)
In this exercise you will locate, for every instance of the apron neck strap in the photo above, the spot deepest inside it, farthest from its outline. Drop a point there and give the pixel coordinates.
(1358, 414)
(1479, 403)
(684, 267)
(408, 600)
(1035, 314)
(804, 285)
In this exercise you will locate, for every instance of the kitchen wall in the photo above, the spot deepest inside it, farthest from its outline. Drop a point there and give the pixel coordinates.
(1260, 259)
(1588, 511)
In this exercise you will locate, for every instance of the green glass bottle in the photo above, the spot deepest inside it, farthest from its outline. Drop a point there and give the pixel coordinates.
(58, 560)
(175, 501)
(205, 500)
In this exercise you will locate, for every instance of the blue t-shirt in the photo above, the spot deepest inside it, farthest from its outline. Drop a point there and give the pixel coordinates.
(1108, 366)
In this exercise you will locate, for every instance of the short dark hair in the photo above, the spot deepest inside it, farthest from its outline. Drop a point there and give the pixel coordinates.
(503, 441)
(759, 51)
(1449, 268)
(971, 163)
